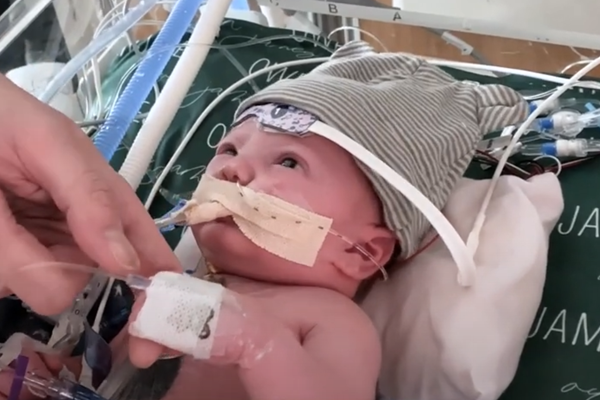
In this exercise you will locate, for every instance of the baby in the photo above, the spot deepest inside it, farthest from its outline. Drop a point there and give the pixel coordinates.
(288, 328)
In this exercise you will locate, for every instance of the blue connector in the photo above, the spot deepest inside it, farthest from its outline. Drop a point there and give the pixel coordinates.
(178, 207)
(545, 124)
(549, 149)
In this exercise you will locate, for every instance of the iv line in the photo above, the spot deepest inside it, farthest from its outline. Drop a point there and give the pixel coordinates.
(473, 239)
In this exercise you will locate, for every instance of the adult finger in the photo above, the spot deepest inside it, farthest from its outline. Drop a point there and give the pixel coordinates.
(47, 290)
(55, 155)
(104, 214)
(53, 152)
(155, 253)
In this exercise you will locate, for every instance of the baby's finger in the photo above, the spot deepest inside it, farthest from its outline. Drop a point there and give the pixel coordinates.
(143, 353)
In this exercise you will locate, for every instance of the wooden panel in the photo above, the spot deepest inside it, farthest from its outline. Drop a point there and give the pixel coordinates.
(512, 53)
(142, 31)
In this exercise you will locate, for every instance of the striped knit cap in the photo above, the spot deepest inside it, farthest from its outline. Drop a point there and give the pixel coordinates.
(412, 115)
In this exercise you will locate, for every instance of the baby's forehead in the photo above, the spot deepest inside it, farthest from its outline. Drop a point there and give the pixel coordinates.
(279, 118)
(252, 131)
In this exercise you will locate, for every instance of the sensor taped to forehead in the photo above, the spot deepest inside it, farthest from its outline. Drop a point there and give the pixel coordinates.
(280, 117)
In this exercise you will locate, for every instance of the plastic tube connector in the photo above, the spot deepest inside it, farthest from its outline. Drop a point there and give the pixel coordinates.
(571, 148)
(566, 123)
(553, 105)
(138, 282)
(549, 149)
(562, 148)
(545, 124)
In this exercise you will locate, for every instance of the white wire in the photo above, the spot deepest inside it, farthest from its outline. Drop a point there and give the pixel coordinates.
(364, 32)
(173, 93)
(452, 64)
(107, 20)
(574, 64)
(514, 71)
(558, 162)
(104, 23)
(86, 371)
(473, 239)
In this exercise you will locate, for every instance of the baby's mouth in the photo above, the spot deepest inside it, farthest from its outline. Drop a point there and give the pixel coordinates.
(228, 220)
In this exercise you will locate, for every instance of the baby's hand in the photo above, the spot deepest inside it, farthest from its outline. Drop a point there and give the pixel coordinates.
(43, 365)
(233, 329)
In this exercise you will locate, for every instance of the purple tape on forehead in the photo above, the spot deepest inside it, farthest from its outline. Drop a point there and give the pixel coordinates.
(283, 118)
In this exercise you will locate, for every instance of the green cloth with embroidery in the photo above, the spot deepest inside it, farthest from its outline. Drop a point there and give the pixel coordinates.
(562, 354)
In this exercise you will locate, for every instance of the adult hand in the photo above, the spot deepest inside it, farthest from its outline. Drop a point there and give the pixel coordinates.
(60, 201)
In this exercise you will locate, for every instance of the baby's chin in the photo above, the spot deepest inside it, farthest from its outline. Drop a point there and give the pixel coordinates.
(230, 252)
(222, 244)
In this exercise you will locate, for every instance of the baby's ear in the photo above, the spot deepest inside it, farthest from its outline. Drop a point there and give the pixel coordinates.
(373, 250)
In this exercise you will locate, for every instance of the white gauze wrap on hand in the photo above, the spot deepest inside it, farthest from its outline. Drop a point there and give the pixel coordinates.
(181, 313)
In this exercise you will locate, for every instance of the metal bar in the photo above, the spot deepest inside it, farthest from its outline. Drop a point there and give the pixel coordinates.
(534, 33)
(78, 20)
(18, 18)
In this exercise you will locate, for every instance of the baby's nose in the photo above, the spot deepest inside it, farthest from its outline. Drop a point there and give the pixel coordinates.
(237, 170)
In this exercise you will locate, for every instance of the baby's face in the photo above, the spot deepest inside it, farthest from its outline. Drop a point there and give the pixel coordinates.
(310, 172)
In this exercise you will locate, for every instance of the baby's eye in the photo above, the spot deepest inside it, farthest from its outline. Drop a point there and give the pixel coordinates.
(289, 162)
(229, 150)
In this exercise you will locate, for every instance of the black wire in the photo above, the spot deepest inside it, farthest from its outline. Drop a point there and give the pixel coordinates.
(532, 167)
(507, 170)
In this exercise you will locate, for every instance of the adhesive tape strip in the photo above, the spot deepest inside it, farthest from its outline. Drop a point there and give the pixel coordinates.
(181, 313)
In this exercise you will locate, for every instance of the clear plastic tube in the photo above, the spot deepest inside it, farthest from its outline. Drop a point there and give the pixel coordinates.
(95, 47)
(563, 148)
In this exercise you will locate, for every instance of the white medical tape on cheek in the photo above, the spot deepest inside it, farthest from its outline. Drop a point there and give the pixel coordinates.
(181, 313)
(277, 226)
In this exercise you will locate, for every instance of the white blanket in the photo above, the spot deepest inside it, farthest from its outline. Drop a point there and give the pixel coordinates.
(445, 342)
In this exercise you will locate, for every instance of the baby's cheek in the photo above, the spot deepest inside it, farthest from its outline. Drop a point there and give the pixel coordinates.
(215, 165)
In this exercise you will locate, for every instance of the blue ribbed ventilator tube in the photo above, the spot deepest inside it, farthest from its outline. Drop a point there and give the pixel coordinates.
(138, 88)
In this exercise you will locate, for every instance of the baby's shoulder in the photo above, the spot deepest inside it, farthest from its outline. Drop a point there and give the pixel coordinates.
(321, 307)
(324, 299)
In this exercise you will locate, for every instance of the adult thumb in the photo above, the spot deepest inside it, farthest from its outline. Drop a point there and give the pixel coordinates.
(95, 222)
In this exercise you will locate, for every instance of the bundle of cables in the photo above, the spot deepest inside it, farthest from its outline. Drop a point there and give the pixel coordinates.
(526, 168)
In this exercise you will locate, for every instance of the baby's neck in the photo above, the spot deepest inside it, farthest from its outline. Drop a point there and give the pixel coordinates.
(232, 281)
